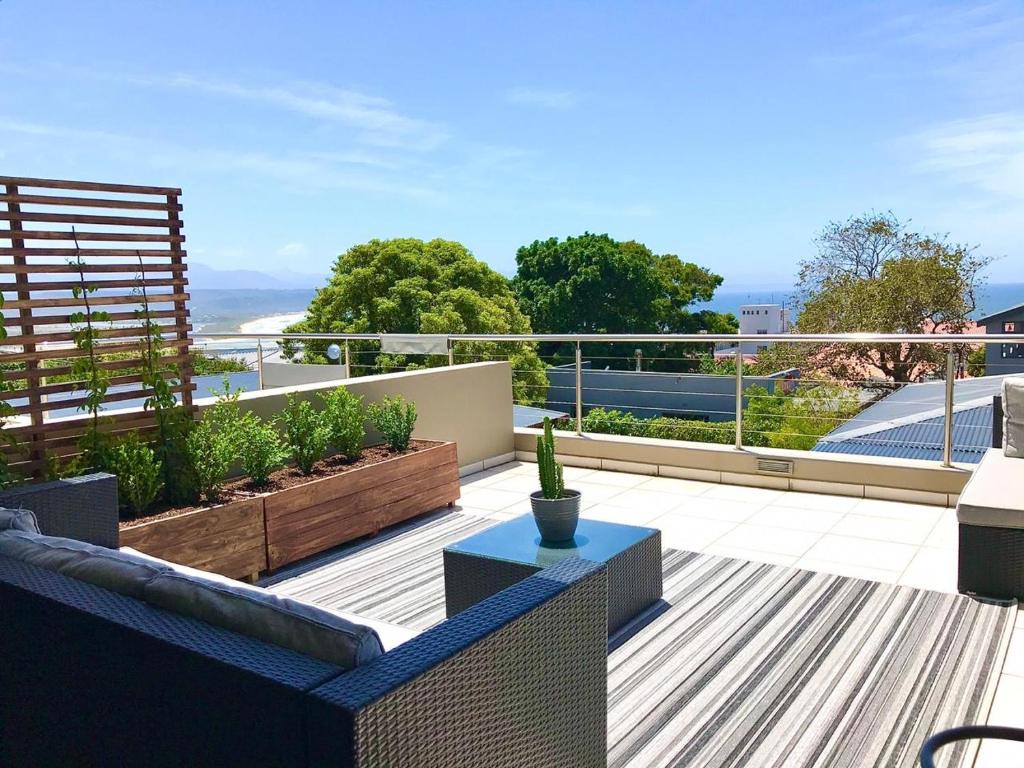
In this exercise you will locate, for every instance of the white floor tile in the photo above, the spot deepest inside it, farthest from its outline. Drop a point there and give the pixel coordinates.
(780, 541)
(898, 509)
(945, 534)
(689, 533)
(716, 509)
(574, 473)
(516, 483)
(880, 555)
(852, 570)
(738, 553)
(1008, 705)
(817, 501)
(816, 520)
(762, 496)
(933, 569)
(1014, 664)
(884, 528)
(623, 515)
(493, 499)
(650, 501)
(676, 485)
(618, 479)
(594, 493)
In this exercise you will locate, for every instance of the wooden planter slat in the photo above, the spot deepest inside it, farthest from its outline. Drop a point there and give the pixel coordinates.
(228, 539)
(324, 513)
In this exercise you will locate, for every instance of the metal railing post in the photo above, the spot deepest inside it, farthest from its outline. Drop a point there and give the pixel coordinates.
(259, 362)
(739, 395)
(451, 352)
(947, 424)
(579, 390)
(348, 361)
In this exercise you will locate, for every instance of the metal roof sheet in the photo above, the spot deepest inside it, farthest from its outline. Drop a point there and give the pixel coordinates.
(972, 436)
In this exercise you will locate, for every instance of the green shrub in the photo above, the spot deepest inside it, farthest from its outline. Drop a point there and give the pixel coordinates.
(613, 422)
(394, 419)
(261, 449)
(306, 432)
(139, 473)
(211, 453)
(214, 443)
(345, 418)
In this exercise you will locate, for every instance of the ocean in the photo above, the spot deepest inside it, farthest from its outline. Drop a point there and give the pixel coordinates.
(271, 310)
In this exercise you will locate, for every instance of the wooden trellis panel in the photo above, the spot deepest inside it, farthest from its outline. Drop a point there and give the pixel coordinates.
(119, 238)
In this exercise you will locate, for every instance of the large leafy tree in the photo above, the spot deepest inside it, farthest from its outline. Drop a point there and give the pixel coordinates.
(595, 284)
(411, 286)
(871, 274)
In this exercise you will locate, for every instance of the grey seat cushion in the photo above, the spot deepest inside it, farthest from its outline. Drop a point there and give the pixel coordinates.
(1013, 418)
(18, 520)
(119, 572)
(272, 618)
(993, 495)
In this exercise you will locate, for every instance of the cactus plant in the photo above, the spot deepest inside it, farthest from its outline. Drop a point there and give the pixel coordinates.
(552, 484)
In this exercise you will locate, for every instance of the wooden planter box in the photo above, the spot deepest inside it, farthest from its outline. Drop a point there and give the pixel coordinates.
(324, 513)
(228, 539)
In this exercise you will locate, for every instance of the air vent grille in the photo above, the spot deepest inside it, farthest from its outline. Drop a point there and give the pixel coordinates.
(775, 466)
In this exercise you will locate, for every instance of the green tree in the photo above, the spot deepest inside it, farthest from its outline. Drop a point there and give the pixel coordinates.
(411, 286)
(594, 284)
(811, 412)
(873, 275)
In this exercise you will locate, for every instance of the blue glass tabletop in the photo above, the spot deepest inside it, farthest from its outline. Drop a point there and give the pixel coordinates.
(518, 541)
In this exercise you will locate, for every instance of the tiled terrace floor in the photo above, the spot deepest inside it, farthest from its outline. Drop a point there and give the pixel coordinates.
(910, 544)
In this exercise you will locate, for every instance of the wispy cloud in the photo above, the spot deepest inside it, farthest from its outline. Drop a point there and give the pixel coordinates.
(542, 97)
(378, 121)
(986, 153)
(292, 250)
(297, 169)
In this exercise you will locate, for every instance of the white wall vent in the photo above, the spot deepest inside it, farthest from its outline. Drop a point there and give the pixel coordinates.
(775, 466)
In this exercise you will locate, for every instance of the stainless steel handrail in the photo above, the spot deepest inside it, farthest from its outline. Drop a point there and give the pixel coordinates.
(949, 339)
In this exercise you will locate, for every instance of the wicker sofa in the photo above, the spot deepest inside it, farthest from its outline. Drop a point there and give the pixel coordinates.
(990, 511)
(92, 677)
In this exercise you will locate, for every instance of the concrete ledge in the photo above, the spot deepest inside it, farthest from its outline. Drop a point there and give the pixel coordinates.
(920, 482)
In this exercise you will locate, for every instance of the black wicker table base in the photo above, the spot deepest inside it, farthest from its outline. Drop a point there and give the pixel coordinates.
(492, 560)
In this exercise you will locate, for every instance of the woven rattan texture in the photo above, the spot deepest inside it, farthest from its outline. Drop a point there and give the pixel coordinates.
(991, 562)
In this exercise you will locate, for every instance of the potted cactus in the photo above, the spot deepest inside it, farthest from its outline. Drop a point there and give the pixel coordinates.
(556, 509)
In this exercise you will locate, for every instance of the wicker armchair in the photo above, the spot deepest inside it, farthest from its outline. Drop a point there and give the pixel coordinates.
(95, 678)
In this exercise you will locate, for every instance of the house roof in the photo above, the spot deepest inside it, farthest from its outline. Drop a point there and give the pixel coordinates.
(972, 436)
(1017, 309)
(528, 416)
(908, 424)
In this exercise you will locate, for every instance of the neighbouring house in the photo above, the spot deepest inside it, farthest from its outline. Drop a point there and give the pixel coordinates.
(762, 320)
(909, 423)
(1004, 358)
(647, 394)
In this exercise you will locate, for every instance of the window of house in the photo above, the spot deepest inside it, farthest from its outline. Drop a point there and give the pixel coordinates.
(1010, 326)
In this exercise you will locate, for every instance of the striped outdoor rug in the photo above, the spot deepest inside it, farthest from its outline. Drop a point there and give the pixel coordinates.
(745, 664)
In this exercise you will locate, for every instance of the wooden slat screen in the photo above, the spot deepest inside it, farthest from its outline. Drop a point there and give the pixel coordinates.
(119, 238)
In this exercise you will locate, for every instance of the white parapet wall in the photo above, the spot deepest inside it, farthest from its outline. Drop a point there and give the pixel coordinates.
(908, 480)
(292, 374)
(469, 404)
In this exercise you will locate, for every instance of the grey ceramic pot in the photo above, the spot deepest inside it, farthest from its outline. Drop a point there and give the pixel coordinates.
(556, 518)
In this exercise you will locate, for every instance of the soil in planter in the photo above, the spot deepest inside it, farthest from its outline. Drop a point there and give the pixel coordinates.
(286, 477)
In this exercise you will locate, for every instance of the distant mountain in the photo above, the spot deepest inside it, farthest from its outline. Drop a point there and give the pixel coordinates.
(203, 276)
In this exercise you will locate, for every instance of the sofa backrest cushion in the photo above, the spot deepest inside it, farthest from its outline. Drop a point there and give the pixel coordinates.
(265, 616)
(18, 520)
(119, 572)
(1013, 417)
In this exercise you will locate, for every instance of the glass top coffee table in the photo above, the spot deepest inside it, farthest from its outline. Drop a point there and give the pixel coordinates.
(488, 562)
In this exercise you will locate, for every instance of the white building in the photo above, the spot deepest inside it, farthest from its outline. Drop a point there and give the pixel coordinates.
(762, 319)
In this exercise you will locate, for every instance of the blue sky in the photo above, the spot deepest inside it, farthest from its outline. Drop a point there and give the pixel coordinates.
(726, 133)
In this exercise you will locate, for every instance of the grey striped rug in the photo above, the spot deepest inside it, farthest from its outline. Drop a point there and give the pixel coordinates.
(745, 664)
